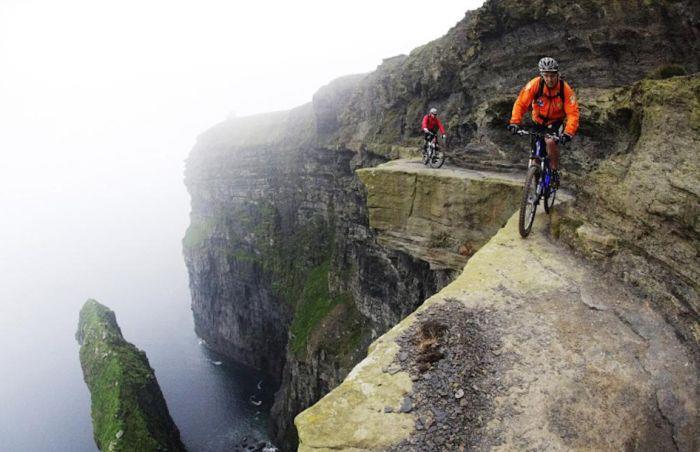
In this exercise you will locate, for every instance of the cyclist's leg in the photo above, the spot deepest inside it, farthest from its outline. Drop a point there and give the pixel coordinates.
(553, 153)
(553, 150)
(552, 147)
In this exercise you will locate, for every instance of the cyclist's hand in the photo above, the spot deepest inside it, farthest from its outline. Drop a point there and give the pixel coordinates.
(513, 128)
(426, 130)
(565, 138)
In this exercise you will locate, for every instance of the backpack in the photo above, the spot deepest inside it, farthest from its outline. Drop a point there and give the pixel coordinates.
(540, 92)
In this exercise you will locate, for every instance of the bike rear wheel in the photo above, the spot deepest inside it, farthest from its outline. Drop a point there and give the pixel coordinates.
(528, 204)
(437, 159)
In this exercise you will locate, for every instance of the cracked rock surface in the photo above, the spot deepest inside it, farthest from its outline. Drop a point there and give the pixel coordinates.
(544, 352)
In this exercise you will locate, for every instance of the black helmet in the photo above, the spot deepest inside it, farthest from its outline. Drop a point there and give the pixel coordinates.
(548, 64)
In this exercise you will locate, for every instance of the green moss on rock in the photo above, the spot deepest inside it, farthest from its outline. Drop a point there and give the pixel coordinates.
(128, 409)
(667, 71)
(196, 234)
(314, 304)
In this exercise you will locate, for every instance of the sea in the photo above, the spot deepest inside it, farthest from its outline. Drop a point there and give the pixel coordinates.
(115, 237)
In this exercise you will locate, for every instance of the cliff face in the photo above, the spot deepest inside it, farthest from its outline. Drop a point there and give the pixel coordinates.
(128, 409)
(637, 214)
(284, 271)
(295, 267)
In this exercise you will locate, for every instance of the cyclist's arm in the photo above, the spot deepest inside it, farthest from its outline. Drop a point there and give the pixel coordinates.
(442, 129)
(424, 124)
(523, 102)
(571, 110)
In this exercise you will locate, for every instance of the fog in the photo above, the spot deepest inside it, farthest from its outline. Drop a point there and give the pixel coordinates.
(100, 103)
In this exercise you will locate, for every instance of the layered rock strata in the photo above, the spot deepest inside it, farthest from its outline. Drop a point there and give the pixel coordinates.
(638, 213)
(128, 409)
(441, 217)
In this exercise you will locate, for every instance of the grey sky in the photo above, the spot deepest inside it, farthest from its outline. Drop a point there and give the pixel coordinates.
(100, 102)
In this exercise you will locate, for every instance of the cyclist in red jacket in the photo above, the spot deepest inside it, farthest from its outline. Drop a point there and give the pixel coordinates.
(430, 126)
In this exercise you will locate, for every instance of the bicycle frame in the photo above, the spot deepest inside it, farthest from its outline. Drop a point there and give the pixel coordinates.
(433, 146)
(538, 154)
(538, 181)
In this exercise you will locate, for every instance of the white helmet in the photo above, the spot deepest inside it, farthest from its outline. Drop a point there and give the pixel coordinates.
(548, 64)
(433, 111)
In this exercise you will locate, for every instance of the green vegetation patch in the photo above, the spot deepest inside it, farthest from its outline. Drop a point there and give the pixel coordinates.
(315, 303)
(128, 408)
(668, 71)
(297, 260)
(340, 333)
(197, 233)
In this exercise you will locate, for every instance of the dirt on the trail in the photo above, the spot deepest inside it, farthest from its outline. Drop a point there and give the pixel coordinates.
(450, 355)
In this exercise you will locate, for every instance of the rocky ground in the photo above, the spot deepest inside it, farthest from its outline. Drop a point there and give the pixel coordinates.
(252, 445)
(449, 354)
(547, 353)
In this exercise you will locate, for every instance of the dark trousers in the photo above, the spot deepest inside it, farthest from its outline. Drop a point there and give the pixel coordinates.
(428, 137)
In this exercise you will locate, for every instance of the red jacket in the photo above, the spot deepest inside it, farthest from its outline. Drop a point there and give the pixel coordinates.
(431, 123)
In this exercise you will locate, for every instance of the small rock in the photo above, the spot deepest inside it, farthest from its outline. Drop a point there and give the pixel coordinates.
(406, 405)
(388, 409)
(119, 434)
(459, 394)
(393, 369)
(403, 356)
(439, 414)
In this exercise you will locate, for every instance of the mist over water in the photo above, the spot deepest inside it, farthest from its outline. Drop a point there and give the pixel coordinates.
(100, 103)
(118, 243)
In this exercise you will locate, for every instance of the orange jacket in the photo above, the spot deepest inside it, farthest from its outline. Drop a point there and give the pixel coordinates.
(548, 108)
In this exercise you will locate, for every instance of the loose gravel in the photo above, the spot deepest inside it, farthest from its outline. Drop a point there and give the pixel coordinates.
(451, 356)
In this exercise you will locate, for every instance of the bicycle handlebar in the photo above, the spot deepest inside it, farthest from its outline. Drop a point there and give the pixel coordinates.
(554, 137)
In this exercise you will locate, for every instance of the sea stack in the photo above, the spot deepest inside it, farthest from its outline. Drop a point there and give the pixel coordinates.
(128, 409)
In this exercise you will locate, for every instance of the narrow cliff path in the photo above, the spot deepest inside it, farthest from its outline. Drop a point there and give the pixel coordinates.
(529, 348)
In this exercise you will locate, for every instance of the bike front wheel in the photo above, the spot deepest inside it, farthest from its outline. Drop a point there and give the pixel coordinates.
(528, 204)
(549, 200)
(437, 159)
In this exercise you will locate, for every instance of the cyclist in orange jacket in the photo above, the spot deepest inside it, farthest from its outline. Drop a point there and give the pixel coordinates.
(552, 100)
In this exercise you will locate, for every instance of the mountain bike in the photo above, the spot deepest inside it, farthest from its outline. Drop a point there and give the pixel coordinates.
(432, 154)
(539, 182)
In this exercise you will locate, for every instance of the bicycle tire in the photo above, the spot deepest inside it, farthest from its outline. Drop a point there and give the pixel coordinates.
(438, 159)
(549, 200)
(527, 217)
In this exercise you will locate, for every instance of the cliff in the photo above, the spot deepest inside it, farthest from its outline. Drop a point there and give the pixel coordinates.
(301, 252)
(128, 409)
(530, 348)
